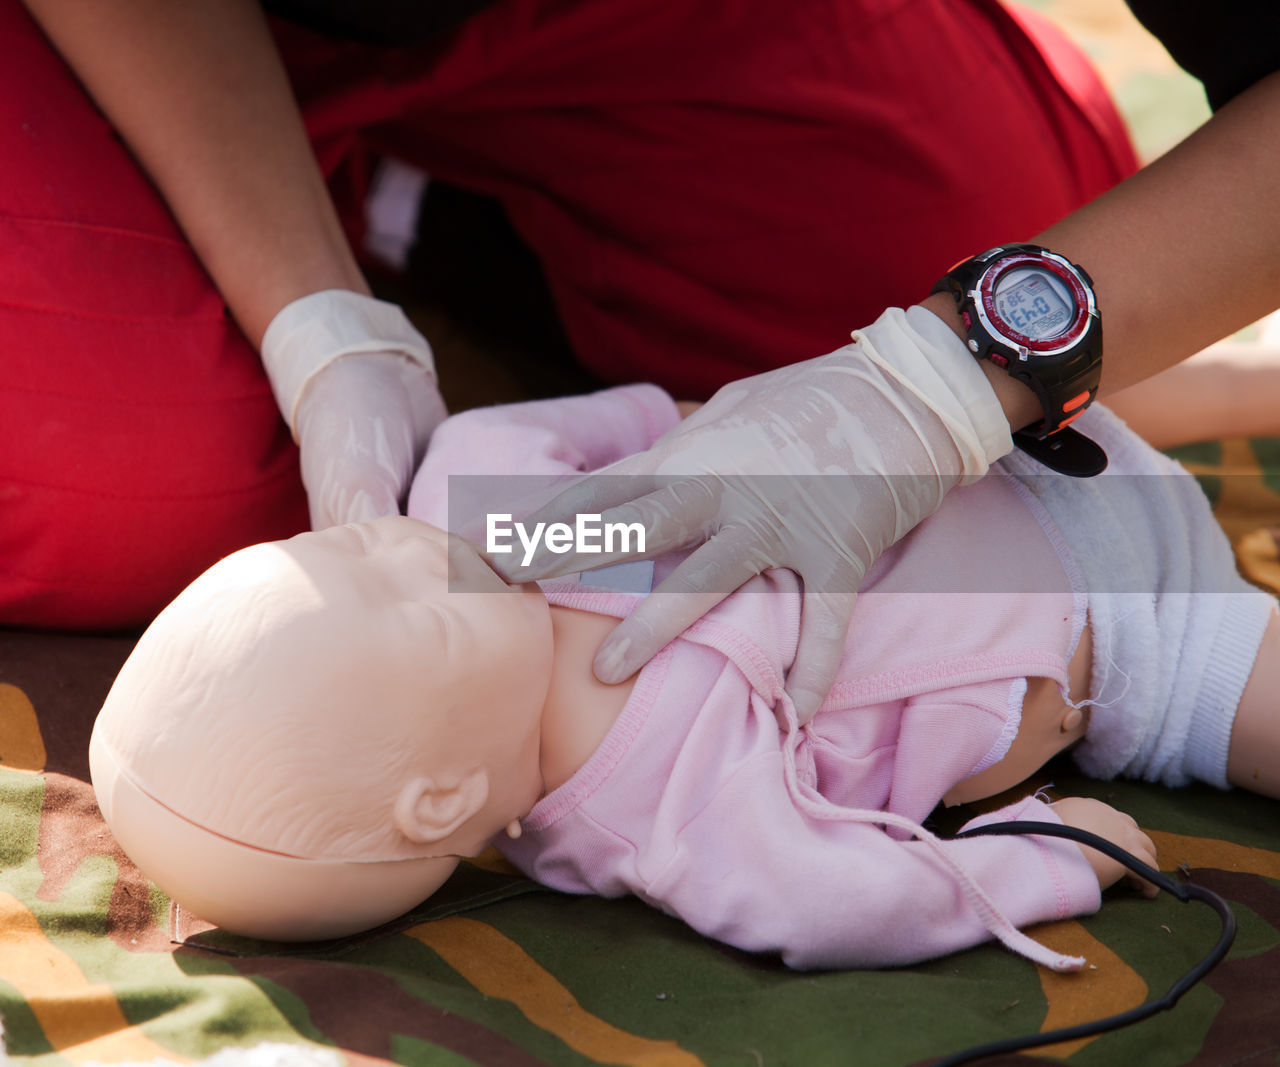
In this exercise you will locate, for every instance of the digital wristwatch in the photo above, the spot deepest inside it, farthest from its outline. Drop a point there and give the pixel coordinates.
(1033, 313)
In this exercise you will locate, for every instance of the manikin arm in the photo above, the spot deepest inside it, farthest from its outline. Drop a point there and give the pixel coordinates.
(869, 901)
(731, 843)
(564, 435)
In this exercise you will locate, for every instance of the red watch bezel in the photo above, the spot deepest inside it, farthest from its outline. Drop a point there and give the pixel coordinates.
(998, 326)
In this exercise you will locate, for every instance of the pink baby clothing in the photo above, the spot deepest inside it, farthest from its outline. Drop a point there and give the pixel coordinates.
(708, 801)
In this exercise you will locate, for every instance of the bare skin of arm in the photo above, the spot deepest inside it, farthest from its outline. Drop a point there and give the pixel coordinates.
(199, 93)
(1231, 389)
(1182, 254)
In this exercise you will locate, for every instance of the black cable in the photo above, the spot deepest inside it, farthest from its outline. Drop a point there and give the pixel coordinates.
(1184, 891)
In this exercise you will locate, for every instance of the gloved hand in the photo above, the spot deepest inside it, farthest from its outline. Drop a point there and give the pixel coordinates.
(817, 467)
(356, 383)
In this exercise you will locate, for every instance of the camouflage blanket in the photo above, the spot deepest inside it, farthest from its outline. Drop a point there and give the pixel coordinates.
(97, 967)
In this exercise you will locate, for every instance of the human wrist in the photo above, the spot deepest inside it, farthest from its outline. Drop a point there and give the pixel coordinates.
(1019, 404)
(962, 378)
(310, 333)
(914, 349)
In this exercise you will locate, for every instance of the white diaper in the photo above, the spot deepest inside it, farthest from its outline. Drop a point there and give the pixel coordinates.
(1175, 628)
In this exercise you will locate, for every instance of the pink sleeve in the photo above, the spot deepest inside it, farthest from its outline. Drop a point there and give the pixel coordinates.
(542, 439)
(756, 871)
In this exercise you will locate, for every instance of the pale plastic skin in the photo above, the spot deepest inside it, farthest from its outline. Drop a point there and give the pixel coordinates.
(290, 711)
(304, 742)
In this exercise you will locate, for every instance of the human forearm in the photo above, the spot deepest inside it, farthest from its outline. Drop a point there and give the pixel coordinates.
(1188, 249)
(199, 93)
(1181, 254)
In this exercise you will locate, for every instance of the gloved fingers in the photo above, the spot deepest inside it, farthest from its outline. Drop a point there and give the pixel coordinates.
(595, 493)
(824, 628)
(359, 438)
(428, 410)
(692, 589)
(662, 518)
(364, 477)
(359, 505)
(310, 334)
(684, 513)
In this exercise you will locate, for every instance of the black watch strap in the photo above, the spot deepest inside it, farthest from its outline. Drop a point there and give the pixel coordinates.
(1068, 452)
(1064, 379)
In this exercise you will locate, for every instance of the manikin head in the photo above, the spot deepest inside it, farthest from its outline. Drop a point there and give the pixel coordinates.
(304, 741)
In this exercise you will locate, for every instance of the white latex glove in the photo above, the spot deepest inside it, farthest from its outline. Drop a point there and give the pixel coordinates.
(759, 478)
(356, 383)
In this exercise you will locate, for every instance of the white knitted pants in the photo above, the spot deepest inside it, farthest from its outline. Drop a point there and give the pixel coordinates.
(1175, 628)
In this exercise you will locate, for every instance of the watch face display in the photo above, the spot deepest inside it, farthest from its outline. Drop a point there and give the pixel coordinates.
(1035, 302)
(1033, 313)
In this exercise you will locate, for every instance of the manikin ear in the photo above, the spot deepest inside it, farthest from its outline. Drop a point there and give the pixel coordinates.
(431, 809)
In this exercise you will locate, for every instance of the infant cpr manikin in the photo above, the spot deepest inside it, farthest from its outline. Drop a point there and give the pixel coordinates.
(304, 742)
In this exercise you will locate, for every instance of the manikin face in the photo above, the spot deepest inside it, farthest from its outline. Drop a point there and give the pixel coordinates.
(417, 597)
(312, 696)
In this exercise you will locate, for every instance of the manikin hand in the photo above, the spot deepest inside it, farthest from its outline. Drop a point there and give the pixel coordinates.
(1118, 828)
(356, 383)
(816, 467)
